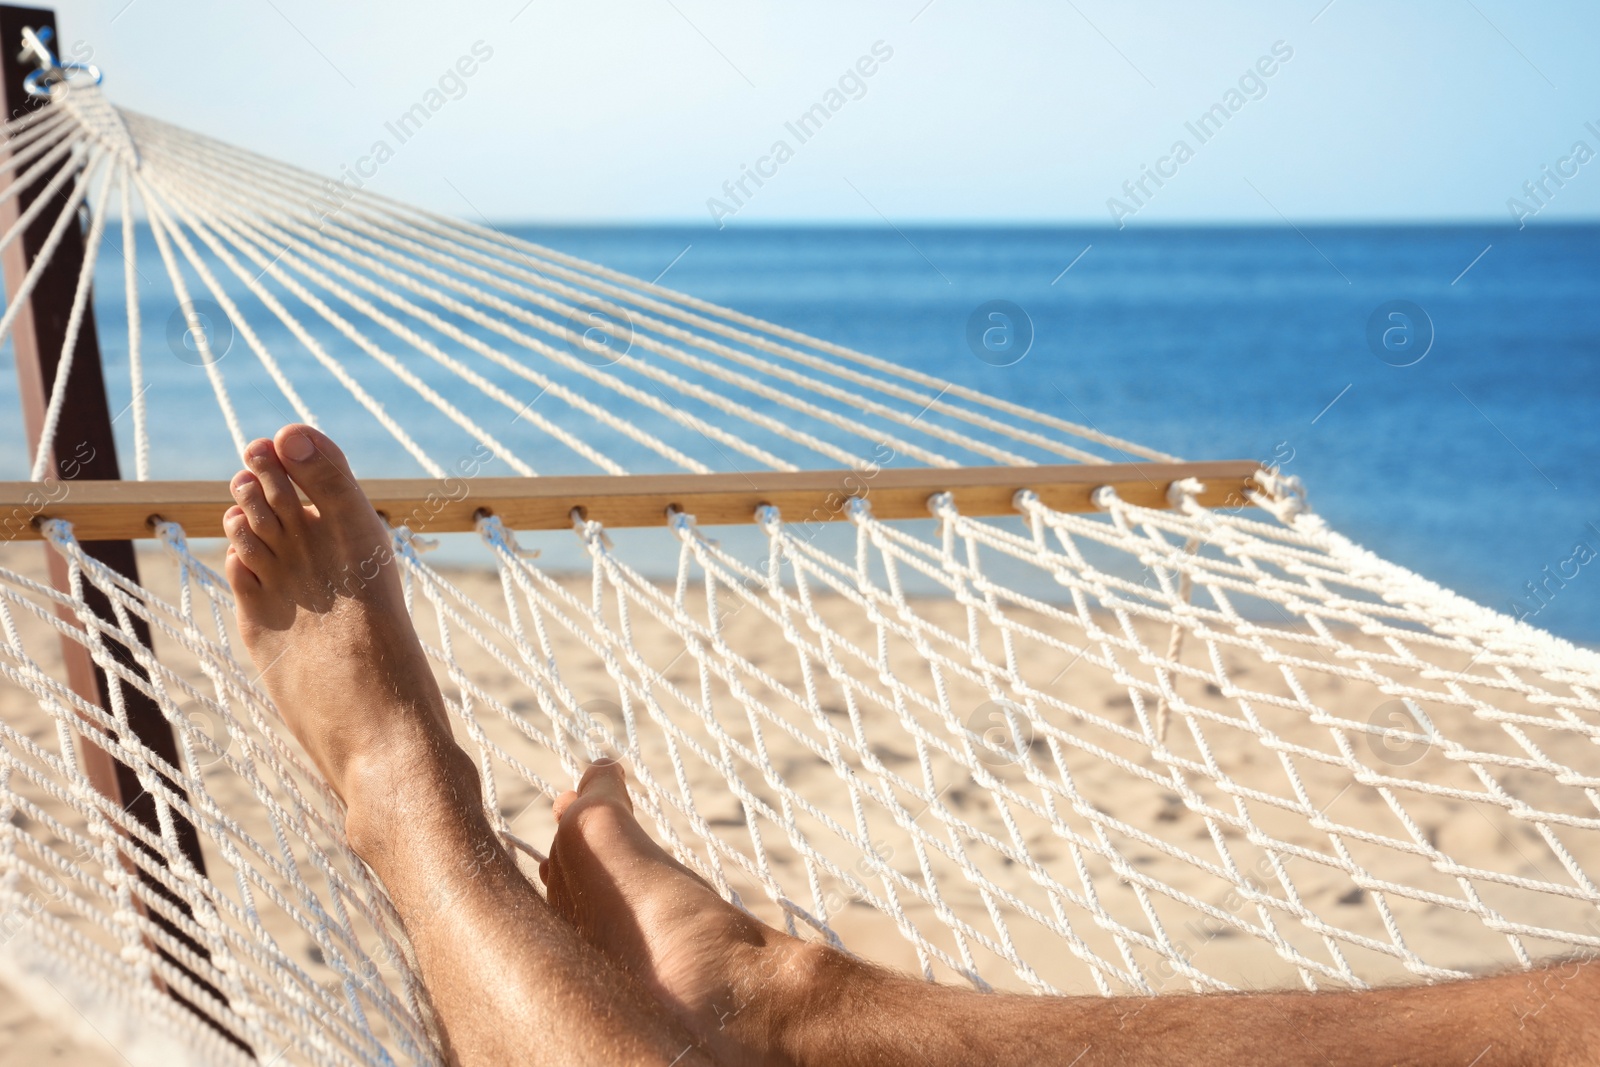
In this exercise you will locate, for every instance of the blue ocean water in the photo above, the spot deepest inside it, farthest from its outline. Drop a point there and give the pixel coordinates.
(1477, 464)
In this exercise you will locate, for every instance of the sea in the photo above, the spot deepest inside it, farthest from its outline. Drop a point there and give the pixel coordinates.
(1436, 388)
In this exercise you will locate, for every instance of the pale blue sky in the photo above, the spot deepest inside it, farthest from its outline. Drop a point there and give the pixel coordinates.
(640, 110)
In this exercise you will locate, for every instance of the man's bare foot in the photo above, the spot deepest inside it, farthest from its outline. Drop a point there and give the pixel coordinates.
(736, 984)
(322, 614)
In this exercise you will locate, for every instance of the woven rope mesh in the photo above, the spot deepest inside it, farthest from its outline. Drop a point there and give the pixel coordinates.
(1130, 751)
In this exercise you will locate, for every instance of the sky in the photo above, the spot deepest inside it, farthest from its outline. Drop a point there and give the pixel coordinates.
(1002, 111)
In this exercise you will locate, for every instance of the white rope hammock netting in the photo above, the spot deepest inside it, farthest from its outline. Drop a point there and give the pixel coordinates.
(1132, 751)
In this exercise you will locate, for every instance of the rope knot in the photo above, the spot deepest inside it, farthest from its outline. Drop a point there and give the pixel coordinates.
(683, 524)
(592, 534)
(943, 506)
(495, 534)
(172, 537)
(1182, 492)
(858, 510)
(57, 530)
(1104, 497)
(407, 540)
(1284, 495)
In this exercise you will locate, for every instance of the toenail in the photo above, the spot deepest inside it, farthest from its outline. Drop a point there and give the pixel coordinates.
(259, 449)
(298, 447)
(242, 479)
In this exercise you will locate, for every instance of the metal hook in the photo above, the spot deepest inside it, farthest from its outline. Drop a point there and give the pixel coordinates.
(36, 46)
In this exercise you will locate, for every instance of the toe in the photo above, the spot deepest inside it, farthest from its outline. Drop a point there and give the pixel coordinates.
(318, 466)
(241, 579)
(563, 802)
(252, 499)
(262, 458)
(604, 778)
(250, 550)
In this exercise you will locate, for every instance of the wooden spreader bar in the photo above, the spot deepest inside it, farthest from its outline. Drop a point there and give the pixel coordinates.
(104, 510)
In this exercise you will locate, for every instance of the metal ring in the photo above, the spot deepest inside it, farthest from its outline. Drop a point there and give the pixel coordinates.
(40, 82)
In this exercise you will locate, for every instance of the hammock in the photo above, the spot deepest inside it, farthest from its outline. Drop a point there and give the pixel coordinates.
(1152, 745)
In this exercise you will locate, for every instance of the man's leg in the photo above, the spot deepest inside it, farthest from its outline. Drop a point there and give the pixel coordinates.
(321, 612)
(753, 994)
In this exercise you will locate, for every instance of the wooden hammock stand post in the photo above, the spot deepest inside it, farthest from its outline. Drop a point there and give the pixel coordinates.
(84, 450)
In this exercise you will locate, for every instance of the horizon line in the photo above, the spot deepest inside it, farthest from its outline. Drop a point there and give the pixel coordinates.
(1055, 224)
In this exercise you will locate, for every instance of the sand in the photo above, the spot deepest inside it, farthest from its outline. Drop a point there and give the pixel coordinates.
(1140, 817)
